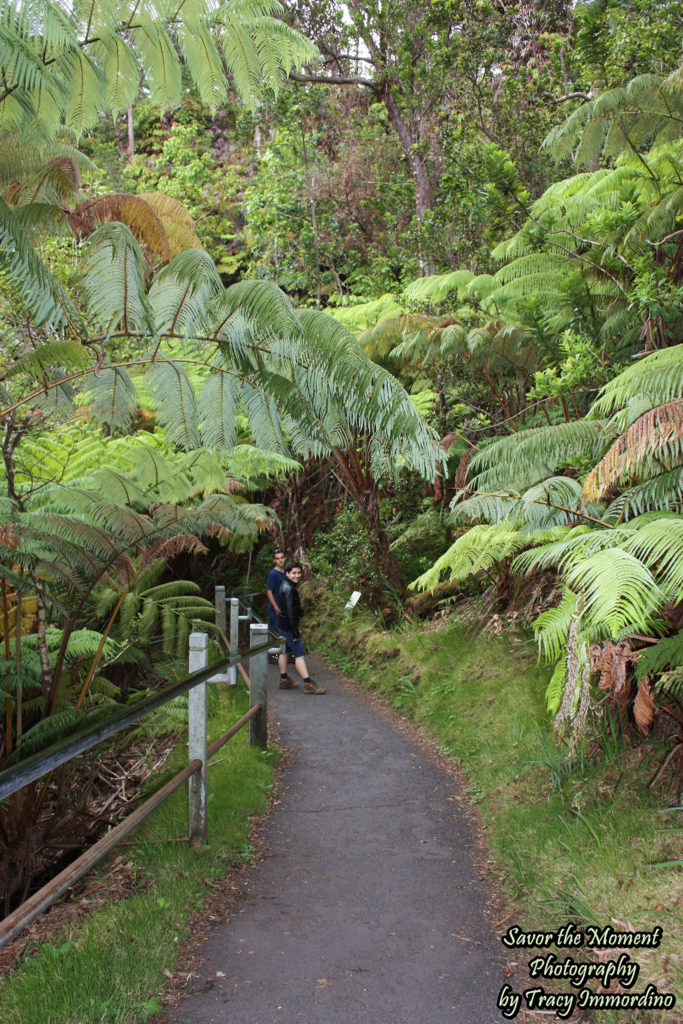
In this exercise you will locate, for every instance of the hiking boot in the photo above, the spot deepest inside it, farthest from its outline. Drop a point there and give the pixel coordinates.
(313, 687)
(288, 684)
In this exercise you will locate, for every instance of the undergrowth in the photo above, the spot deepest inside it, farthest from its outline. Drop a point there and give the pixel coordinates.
(578, 838)
(110, 968)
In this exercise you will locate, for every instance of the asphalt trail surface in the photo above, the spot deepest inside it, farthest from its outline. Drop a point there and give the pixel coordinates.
(369, 908)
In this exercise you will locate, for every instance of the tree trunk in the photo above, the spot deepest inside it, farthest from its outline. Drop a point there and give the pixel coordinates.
(359, 484)
(424, 603)
(131, 135)
(424, 194)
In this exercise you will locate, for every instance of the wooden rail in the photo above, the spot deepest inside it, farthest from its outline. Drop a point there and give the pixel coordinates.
(195, 684)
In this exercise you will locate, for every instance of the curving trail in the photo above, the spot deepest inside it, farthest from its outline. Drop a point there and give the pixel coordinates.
(369, 908)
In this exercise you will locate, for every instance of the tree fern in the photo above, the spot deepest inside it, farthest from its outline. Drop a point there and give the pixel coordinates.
(177, 405)
(365, 315)
(113, 398)
(642, 113)
(662, 493)
(666, 653)
(619, 593)
(480, 548)
(658, 376)
(555, 689)
(539, 450)
(658, 544)
(552, 627)
(436, 287)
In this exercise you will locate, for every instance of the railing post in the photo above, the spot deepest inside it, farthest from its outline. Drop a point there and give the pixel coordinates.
(258, 665)
(219, 604)
(234, 637)
(197, 715)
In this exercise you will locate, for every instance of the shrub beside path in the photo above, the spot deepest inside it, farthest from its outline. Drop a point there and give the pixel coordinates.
(369, 908)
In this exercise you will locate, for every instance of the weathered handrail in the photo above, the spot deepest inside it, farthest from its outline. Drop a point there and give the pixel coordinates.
(34, 767)
(39, 764)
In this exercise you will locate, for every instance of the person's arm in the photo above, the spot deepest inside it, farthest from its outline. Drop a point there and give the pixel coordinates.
(296, 614)
(269, 595)
(288, 601)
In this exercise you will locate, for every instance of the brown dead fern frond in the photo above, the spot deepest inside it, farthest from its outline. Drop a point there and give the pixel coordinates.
(136, 213)
(644, 706)
(653, 439)
(178, 224)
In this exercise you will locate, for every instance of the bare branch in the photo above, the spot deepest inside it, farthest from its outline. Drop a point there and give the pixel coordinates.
(336, 80)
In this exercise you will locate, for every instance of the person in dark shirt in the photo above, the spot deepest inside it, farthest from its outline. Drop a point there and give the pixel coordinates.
(275, 578)
(288, 626)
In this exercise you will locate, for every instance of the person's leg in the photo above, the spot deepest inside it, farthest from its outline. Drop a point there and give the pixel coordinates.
(309, 685)
(300, 666)
(286, 682)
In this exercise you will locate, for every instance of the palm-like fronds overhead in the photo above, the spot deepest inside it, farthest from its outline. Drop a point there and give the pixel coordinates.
(298, 375)
(66, 65)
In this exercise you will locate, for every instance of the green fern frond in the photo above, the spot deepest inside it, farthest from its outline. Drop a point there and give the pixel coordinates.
(114, 280)
(658, 544)
(670, 684)
(114, 400)
(262, 304)
(177, 406)
(666, 653)
(552, 627)
(217, 408)
(555, 689)
(28, 279)
(550, 446)
(365, 315)
(663, 493)
(120, 70)
(479, 549)
(204, 63)
(48, 731)
(618, 591)
(436, 287)
(658, 376)
(578, 543)
(181, 292)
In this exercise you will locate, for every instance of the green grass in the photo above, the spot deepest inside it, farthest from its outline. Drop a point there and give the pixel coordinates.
(110, 968)
(579, 838)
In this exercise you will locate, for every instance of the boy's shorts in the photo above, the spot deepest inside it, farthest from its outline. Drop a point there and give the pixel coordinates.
(292, 646)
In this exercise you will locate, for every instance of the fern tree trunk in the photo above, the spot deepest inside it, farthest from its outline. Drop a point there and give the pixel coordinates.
(355, 477)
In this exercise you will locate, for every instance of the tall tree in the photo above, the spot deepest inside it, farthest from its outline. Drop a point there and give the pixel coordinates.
(419, 59)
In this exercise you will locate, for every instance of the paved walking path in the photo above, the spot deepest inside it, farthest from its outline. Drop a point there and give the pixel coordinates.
(368, 908)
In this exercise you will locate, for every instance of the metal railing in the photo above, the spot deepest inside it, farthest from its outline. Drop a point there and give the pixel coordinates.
(200, 751)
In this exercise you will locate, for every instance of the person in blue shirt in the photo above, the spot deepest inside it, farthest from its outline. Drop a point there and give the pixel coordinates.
(275, 578)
